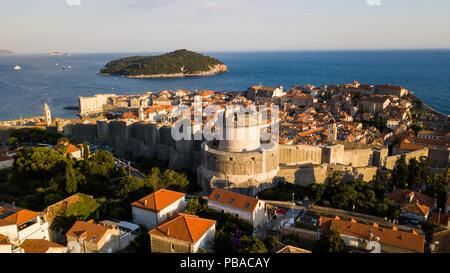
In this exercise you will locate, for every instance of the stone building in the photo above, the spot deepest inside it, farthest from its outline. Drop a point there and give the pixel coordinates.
(241, 162)
(183, 233)
(261, 94)
(374, 238)
(94, 104)
(391, 90)
(89, 237)
(47, 115)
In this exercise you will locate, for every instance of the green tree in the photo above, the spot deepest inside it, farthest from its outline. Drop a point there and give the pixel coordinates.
(128, 185)
(251, 244)
(85, 150)
(12, 142)
(71, 180)
(330, 242)
(336, 178)
(270, 242)
(400, 174)
(193, 206)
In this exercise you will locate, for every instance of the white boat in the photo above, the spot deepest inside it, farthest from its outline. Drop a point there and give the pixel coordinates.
(17, 67)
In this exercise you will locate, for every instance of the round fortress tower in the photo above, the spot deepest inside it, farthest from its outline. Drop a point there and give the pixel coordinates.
(239, 162)
(241, 133)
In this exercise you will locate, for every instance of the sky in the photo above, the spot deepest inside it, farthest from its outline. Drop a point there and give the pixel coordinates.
(90, 26)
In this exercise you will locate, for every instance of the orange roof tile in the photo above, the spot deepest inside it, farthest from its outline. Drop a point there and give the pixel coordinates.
(233, 199)
(159, 200)
(393, 237)
(185, 227)
(22, 216)
(39, 245)
(88, 230)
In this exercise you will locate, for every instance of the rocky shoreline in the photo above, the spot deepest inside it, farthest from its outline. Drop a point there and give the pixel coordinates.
(219, 68)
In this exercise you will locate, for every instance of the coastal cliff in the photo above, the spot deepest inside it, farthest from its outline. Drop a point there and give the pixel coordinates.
(180, 63)
(216, 69)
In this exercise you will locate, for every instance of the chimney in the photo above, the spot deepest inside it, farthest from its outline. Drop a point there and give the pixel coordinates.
(168, 232)
(145, 202)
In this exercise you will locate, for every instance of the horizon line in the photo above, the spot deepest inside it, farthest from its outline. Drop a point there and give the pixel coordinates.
(237, 51)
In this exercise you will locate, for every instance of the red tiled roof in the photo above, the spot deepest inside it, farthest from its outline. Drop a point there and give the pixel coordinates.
(394, 237)
(39, 245)
(88, 230)
(21, 216)
(233, 199)
(185, 227)
(159, 200)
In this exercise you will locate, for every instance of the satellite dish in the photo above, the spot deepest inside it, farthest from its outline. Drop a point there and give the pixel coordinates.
(73, 247)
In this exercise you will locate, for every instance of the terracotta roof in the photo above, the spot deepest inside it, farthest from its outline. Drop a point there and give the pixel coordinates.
(233, 199)
(292, 249)
(159, 200)
(400, 196)
(88, 230)
(22, 216)
(416, 209)
(393, 237)
(185, 227)
(39, 245)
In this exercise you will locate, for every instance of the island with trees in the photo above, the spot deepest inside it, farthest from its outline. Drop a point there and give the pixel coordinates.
(180, 63)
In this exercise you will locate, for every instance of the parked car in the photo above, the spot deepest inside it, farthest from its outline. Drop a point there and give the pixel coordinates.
(281, 211)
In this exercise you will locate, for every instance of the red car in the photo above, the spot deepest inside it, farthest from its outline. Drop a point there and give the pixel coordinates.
(281, 211)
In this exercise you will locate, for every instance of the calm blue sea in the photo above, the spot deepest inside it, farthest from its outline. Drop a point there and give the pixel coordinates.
(23, 92)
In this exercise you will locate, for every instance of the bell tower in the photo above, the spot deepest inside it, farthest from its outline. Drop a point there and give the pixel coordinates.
(47, 115)
(332, 131)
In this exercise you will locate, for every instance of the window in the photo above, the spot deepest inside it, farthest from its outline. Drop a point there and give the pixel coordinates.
(172, 247)
(216, 196)
(231, 201)
(247, 205)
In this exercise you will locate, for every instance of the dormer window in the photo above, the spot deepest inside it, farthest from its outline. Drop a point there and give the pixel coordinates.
(216, 196)
(231, 201)
(247, 205)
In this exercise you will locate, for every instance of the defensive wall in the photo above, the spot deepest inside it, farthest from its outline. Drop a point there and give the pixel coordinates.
(299, 164)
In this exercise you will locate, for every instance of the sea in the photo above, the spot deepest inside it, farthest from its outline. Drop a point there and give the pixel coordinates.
(43, 79)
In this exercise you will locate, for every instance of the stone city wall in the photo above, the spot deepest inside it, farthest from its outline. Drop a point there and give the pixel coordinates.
(391, 161)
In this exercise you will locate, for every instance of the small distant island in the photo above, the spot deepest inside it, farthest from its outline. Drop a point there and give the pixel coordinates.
(6, 52)
(180, 63)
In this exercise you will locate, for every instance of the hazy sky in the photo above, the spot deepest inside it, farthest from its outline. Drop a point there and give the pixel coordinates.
(30, 26)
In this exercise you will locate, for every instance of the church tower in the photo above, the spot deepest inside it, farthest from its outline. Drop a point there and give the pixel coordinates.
(332, 131)
(47, 115)
(141, 114)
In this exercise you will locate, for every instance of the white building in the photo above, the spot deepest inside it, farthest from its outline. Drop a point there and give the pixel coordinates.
(17, 225)
(393, 123)
(153, 209)
(94, 104)
(242, 206)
